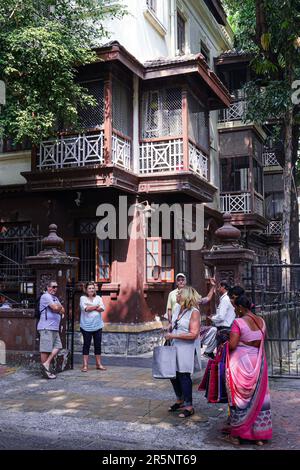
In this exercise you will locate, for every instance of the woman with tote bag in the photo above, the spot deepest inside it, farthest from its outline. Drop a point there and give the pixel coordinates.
(184, 333)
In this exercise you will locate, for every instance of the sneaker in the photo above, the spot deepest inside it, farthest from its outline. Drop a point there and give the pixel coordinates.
(210, 355)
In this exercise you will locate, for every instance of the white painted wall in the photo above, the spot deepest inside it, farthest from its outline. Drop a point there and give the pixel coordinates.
(11, 166)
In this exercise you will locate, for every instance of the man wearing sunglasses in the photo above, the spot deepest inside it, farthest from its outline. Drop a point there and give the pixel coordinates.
(51, 311)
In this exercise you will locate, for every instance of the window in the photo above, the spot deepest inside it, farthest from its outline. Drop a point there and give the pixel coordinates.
(183, 259)
(235, 174)
(94, 254)
(205, 51)
(258, 177)
(274, 196)
(162, 113)
(198, 123)
(91, 117)
(152, 5)
(103, 260)
(159, 260)
(180, 34)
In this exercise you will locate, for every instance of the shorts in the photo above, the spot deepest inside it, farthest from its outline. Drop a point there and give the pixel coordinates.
(49, 340)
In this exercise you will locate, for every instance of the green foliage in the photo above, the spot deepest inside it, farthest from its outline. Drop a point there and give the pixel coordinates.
(41, 44)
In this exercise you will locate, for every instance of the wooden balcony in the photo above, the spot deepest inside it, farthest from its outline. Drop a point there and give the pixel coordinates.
(165, 165)
(82, 161)
(246, 209)
(174, 165)
(270, 158)
(235, 112)
(274, 229)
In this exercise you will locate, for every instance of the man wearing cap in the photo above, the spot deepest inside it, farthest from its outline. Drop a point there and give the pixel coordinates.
(181, 282)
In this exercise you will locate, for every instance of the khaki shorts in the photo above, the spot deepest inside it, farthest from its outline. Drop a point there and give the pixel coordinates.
(49, 340)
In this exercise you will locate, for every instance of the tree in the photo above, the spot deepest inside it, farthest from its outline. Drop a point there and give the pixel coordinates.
(269, 29)
(42, 42)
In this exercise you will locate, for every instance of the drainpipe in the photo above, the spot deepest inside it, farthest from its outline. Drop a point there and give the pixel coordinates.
(173, 14)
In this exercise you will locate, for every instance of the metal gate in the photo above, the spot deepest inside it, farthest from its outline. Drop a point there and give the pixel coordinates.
(70, 320)
(276, 296)
(17, 280)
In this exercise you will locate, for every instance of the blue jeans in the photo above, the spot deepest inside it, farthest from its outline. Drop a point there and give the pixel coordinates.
(183, 387)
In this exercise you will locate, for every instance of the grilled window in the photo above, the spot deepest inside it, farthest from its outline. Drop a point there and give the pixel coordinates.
(91, 117)
(235, 174)
(162, 113)
(121, 108)
(198, 123)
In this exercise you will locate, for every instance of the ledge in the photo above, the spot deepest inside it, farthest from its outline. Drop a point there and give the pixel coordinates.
(152, 18)
(133, 327)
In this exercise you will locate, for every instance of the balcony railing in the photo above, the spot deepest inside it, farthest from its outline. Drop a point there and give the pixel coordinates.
(68, 152)
(269, 157)
(198, 161)
(158, 156)
(167, 155)
(235, 112)
(236, 203)
(258, 205)
(274, 228)
(241, 203)
(121, 151)
(83, 150)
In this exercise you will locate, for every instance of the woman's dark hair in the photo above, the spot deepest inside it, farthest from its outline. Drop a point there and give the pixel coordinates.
(90, 283)
(243, 301)
(236, 290)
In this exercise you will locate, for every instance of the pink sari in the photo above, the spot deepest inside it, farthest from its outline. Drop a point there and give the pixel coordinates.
(247, 385)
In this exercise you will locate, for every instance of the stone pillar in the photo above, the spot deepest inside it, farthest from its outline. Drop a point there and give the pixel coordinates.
(228, 258)
(53, 263)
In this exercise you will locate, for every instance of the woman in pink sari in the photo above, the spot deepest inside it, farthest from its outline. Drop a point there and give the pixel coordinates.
(247, 377)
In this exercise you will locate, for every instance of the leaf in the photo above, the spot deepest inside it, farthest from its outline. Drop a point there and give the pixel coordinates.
(265, 41)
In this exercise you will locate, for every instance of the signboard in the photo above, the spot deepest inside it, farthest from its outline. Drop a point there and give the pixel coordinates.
(2, 92)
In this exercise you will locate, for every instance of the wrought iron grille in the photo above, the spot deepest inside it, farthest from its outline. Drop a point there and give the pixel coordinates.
(122, 110)
(17, 279)
(276, 296)
(93, 116)
(162, 113)
(198, 122)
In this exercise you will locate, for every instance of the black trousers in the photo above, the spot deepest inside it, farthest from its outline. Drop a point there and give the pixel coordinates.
(183, 387)
(87, 338)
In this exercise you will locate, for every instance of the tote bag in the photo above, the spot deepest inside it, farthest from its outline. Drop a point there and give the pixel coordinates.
(164, 362)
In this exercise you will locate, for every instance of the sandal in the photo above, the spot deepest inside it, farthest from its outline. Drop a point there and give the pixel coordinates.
(84, 369)
(231, 440)
(186, 413)
(101, 368)
(176, 407)
(46, 373)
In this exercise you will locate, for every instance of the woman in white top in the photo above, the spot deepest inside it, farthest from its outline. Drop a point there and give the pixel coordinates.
(91, 324)
(184, 335)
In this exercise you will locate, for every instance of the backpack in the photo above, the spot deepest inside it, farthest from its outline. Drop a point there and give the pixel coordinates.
(37, 312)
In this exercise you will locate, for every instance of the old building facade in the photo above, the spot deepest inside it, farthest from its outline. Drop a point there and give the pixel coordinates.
(165, 131)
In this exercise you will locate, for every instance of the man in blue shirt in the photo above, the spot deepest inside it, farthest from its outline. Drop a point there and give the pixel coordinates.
(51, 311)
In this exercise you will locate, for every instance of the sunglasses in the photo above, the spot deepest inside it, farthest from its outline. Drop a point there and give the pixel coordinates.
(54, 287)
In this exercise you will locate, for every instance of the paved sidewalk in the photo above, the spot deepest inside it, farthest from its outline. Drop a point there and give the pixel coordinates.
(124, 408)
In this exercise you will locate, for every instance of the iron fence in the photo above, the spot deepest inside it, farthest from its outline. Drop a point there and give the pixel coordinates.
(275, 291)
